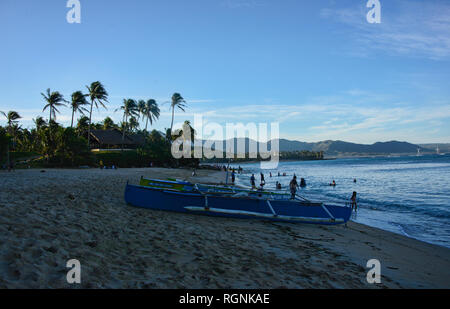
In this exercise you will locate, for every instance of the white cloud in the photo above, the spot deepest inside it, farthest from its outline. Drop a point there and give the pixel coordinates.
(411, 28)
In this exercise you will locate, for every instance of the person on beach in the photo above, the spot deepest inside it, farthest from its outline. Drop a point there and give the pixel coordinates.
(353, 199)
(233, 177)
(194, 173)
(252, 181)
(293, 185)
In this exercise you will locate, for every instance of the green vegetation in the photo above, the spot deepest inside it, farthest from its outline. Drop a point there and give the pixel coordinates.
(49, 144)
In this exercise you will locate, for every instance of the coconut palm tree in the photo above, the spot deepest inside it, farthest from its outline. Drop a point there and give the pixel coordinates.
(78, 100)
(133, 124)
(54, 100)
(152, 112)
(39, 122)
(98, 96)
(108, 124)
(82, 126)
(129, 108)
(179, 102)
(141, 109)
(12, 119)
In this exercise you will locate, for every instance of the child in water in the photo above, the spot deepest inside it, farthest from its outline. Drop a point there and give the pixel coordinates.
(353, 199)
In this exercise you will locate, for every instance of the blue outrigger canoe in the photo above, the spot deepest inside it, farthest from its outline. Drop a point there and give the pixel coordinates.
(236, 206)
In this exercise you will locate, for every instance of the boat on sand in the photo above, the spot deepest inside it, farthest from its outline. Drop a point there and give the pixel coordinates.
(244, 204)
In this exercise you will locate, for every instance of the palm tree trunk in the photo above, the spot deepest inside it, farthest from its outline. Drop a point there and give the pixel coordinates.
(146, 123)
(171, 126)
(73, 112)
(90, 120)
(124, 129)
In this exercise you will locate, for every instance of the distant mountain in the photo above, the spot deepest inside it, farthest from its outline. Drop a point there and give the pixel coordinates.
(339, 147)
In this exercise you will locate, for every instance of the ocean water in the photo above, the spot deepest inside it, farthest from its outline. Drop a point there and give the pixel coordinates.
(408, 195)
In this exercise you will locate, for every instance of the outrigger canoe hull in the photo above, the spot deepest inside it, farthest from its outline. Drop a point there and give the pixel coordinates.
(235, 207)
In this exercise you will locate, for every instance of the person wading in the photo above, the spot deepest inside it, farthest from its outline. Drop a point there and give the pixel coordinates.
(293, 185)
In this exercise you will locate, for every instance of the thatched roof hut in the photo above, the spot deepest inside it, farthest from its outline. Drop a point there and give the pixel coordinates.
(112, 139)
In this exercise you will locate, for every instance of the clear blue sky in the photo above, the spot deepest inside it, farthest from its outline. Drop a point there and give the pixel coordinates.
(317, 67)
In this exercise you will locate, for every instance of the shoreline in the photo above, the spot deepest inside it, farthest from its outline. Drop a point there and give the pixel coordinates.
(49, 218)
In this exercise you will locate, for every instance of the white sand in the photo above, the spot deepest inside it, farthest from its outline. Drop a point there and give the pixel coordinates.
(48, 218)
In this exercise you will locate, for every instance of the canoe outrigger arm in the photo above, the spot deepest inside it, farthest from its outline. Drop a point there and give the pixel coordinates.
(205, 195)
(262, 215)
(271, 209)
(328, 212)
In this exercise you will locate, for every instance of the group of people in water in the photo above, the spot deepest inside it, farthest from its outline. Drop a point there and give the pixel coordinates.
(294, 185)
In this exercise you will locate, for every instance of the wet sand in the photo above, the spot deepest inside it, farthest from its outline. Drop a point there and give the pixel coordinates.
(49, 218)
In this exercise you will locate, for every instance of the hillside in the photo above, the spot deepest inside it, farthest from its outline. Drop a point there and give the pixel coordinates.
(340, 147)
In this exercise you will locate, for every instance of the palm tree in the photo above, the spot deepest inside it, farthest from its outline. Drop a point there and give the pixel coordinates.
(133, 124)
(39, 122)
(98, 95)
(82, 125)
(177, 101)
(152, 112)
(78, 100)
(12, 118)
(54, 100)
(129, 108)
(108, 124)
(141, 109)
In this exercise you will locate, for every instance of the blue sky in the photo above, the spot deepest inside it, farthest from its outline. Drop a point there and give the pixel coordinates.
(317, 67)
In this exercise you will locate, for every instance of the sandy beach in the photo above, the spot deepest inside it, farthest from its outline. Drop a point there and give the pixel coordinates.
(48, 218)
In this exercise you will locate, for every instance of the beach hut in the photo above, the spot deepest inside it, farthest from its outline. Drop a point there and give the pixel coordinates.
(112, 139)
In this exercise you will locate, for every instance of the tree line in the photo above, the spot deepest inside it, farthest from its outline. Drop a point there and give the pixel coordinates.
(71, 145)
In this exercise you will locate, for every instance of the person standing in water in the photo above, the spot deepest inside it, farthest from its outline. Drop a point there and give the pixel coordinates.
(293, 185)
(353, 199)
(233, 176)
(252, 181)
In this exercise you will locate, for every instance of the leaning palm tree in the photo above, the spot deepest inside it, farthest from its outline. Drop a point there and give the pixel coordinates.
(54, 100)
(152, 112)
(179, 102)
(77, 103)
(129, 108)
(98, 95)
(12, 118)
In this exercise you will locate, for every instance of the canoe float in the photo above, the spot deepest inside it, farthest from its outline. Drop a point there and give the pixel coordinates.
(240, 205)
